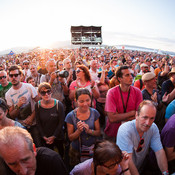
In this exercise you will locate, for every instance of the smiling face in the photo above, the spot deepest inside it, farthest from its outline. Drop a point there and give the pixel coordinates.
(45, 94)
(19, 158)
(84, 102)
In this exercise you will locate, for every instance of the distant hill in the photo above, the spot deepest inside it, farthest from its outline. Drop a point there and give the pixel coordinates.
(68, 45)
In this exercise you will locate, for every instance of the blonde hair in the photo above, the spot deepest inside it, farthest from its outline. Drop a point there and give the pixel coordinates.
(10, 134)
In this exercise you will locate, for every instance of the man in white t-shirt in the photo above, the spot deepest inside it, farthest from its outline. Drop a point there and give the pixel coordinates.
(21, 98)
(93, 70)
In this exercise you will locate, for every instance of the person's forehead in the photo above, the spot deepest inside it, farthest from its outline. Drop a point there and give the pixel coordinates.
(148, 110)
(3, 73)
(16, 71)
(126, 71)
(51, 63)
(32, 67)
(16, 152)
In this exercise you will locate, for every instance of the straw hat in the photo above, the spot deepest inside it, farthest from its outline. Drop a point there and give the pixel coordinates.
(148, 76)
(172, 71)
(143, 65)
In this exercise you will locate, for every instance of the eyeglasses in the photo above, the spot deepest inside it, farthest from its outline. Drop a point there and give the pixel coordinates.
(43, 93)
(140, 146)
(2, 77)
(79, 70)
(11, 75)
(112, 165)
(60, 64)
(26, 63)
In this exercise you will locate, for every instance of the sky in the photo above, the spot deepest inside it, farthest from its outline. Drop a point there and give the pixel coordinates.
(145, 23)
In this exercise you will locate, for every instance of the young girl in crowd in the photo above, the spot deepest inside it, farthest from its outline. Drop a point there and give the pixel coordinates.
(83, 127)
(50, 118)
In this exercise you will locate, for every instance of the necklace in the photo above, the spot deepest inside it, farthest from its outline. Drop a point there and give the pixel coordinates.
(80, 84)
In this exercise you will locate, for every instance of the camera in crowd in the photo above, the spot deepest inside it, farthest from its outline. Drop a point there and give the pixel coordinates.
(63, 73)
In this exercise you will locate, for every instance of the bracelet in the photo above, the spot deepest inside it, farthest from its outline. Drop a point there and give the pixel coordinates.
(165, 172)
(92, 132)
(124, 171)
(93, 87)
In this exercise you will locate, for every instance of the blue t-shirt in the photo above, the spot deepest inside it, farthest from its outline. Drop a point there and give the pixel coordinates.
(128, 140)
(170, 110)
(85, 138)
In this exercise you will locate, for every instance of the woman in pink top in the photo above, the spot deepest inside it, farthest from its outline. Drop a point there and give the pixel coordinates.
(83, 81)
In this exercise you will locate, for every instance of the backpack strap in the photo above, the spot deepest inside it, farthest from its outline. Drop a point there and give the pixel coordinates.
(141, 83)
(39, 103)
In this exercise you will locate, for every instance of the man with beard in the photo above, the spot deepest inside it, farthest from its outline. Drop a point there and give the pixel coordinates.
(20, 99)
(4, 84)
(137, 136)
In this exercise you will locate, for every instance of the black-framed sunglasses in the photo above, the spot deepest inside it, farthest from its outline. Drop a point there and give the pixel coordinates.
(13, 75)
(43, 93)
(3, 77)
(79, 70)
(140, 146)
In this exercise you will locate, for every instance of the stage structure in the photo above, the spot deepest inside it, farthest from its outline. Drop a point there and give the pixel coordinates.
(86, 35)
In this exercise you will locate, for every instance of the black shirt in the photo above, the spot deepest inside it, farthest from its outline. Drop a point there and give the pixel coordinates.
(48, 163)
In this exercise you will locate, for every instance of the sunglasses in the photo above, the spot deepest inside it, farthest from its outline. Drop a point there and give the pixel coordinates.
(13, 75)
(141, 142)
(43, 93)
(2, 77)
(79, 70)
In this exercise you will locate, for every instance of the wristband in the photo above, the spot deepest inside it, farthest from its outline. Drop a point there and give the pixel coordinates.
(165, 172)
(92, 132)
(124, 171)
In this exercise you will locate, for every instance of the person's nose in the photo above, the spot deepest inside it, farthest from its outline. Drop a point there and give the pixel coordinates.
(148, 122)
(22, 169)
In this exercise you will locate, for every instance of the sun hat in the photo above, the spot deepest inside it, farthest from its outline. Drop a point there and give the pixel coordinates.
(172, 71)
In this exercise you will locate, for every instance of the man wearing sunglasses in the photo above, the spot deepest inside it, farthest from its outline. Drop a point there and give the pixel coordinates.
(20, 99)
(4, 84)
(137, 136)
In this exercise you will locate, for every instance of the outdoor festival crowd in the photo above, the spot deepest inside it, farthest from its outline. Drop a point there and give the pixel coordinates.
(87, 111)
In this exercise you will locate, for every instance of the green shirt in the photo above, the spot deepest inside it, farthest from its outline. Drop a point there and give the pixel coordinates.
(3, 90)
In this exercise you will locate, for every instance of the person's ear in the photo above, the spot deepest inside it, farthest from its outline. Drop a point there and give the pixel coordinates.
(136, 115)
(34, 149)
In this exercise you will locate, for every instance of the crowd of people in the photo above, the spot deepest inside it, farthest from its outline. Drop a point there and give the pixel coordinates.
(87, 111)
